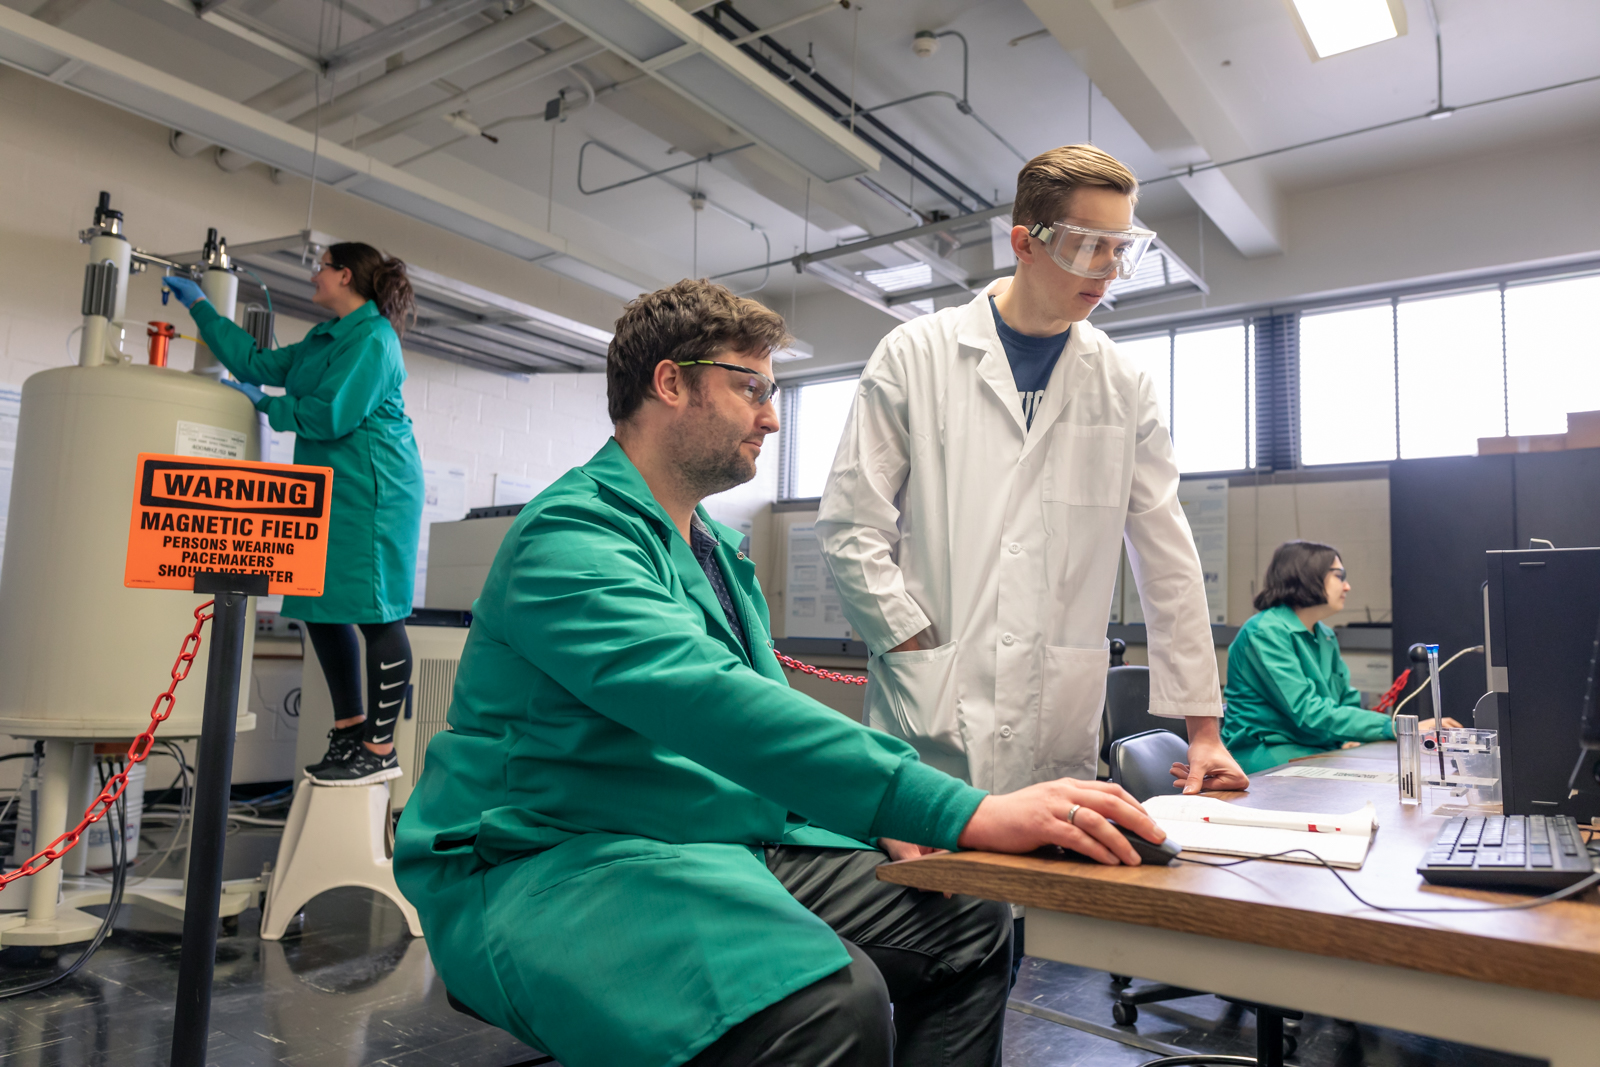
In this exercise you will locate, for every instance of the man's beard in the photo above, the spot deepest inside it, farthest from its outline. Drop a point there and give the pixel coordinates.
(710, 454)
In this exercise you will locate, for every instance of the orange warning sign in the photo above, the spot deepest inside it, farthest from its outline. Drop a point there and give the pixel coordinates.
(193, 515)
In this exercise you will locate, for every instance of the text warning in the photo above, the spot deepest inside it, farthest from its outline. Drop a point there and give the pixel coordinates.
(193, 515)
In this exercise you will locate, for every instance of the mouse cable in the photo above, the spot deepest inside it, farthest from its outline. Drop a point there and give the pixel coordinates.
(1560, 894)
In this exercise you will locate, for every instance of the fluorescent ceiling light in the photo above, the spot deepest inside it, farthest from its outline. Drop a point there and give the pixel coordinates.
(796, 351)
(1329, 27)
(899, 279)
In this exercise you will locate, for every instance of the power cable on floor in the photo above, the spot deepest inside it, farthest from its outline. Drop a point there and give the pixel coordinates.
(117, 824)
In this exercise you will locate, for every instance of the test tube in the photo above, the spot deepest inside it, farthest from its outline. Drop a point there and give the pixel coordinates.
(1409, 749)
(1438, 704)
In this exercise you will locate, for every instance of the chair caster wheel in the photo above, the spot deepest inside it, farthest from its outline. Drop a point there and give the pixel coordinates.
(1125, 1014)
(1290, 1044)
(1120, 981)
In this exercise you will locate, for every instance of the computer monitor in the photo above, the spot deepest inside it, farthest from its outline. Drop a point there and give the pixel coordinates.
(1542, 607)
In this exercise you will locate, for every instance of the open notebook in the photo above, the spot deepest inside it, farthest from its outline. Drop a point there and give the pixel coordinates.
(1202, 824)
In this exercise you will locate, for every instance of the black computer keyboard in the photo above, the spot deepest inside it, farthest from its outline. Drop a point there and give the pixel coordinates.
(1516, 851)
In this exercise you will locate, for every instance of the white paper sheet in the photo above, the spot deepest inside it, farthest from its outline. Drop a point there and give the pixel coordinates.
(1203, 824)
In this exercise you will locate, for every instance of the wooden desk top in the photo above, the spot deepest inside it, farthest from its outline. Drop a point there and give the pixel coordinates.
(1554, 948)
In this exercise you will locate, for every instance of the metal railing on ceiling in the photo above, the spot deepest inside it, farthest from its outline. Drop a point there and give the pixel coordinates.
(455, 319)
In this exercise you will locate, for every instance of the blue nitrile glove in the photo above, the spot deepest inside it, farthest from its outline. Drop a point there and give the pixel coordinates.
(187, 292)
(251, 392)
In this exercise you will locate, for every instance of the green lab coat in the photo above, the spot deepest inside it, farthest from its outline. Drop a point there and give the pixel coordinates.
(583, 844)
(1289, 694)
(345, 410)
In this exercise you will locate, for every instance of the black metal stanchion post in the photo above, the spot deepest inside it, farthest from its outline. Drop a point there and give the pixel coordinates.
(213, 776)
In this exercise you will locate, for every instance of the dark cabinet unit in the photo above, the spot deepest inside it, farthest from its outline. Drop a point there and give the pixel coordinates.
(1445, 514)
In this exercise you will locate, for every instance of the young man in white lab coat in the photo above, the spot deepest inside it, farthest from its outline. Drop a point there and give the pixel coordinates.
(996, 457)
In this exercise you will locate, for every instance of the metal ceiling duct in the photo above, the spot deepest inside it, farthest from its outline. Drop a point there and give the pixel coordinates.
(693, 60)
(557, 59)
(455, 319)
(354, 57)
(902, 274)
(95, 71)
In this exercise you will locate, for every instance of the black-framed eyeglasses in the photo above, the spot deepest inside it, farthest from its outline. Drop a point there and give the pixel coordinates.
(1337, 572)
(319, 267)
(759, 390)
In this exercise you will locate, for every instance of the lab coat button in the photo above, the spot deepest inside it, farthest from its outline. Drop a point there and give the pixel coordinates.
(1005, 731)
(1008, 639)
(1015, 548)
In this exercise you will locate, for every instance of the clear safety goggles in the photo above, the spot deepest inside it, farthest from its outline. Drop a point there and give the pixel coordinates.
(1091, 253)
(757, 388)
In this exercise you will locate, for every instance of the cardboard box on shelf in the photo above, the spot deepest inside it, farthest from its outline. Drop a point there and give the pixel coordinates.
(1583, 429)
(1537, 442)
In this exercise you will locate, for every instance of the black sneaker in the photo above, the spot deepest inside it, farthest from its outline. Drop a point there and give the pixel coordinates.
(366, 767)
(342, 744)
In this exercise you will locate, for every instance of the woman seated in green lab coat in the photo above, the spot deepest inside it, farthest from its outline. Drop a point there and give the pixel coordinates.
(341, 399)
(1289, 693)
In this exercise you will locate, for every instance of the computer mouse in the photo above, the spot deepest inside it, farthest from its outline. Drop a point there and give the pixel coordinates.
(1160, 855)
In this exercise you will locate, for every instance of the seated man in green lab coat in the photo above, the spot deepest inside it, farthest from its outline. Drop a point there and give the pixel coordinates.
(1289, 693)
(636, 845)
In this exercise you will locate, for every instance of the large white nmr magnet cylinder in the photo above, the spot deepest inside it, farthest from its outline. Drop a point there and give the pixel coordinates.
(115, 248)
(81, 656)
(222, 289)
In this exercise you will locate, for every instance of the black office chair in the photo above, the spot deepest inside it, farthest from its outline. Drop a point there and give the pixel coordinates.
(1128, 707)
(1141, 764)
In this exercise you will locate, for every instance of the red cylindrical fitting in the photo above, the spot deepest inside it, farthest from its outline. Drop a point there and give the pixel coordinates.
(161, 335)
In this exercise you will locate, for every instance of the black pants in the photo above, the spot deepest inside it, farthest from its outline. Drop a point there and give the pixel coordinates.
(945, 966)
(388, 672)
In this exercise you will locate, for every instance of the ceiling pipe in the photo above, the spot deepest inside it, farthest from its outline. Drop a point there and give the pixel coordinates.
(350, 60)
(439, 63)
(551, 62)
(402, 34)
(189, 145)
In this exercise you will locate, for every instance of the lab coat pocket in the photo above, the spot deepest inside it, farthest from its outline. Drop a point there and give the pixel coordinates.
(588, 854)
(916, 692)
(1069, 712)
(1085, 467)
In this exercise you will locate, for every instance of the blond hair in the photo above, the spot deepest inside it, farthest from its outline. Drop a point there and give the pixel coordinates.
(1048, 179)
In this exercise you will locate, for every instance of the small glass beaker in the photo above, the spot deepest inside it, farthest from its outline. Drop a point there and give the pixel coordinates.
(1462, 769)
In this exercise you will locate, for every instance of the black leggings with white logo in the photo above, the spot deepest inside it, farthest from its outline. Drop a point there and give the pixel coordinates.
(388, 672)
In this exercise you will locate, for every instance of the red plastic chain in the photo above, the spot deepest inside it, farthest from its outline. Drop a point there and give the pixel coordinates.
(136, 754)
(827, 676)
(1394, 692)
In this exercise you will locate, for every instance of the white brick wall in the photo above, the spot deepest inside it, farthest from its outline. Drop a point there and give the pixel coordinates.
(520, 425)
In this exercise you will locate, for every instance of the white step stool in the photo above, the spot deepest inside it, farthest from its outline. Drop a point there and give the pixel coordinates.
(335, 836)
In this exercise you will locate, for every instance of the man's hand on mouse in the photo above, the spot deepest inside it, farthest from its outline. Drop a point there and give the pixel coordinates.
(1043, 815)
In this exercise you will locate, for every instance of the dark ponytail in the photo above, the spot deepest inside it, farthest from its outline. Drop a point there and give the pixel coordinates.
(379, 278)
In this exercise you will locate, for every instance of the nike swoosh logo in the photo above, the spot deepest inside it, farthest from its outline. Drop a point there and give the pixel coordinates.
(384, 722)
(390, 704)
(390, 685)
(390, 666)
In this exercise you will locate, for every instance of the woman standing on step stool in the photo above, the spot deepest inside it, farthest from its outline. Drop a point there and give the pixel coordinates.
(344, 406)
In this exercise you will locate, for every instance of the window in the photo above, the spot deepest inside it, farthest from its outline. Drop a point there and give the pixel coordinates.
(814, 415)
(1211, 399)
(1347, 385)
(1429, 375)
(1552, 353)
(1203, 381)
(1451, 372)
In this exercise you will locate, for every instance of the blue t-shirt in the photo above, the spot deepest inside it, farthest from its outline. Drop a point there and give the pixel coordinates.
(1032, 359)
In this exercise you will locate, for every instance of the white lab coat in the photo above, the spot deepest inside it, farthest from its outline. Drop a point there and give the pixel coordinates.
(945, 510)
